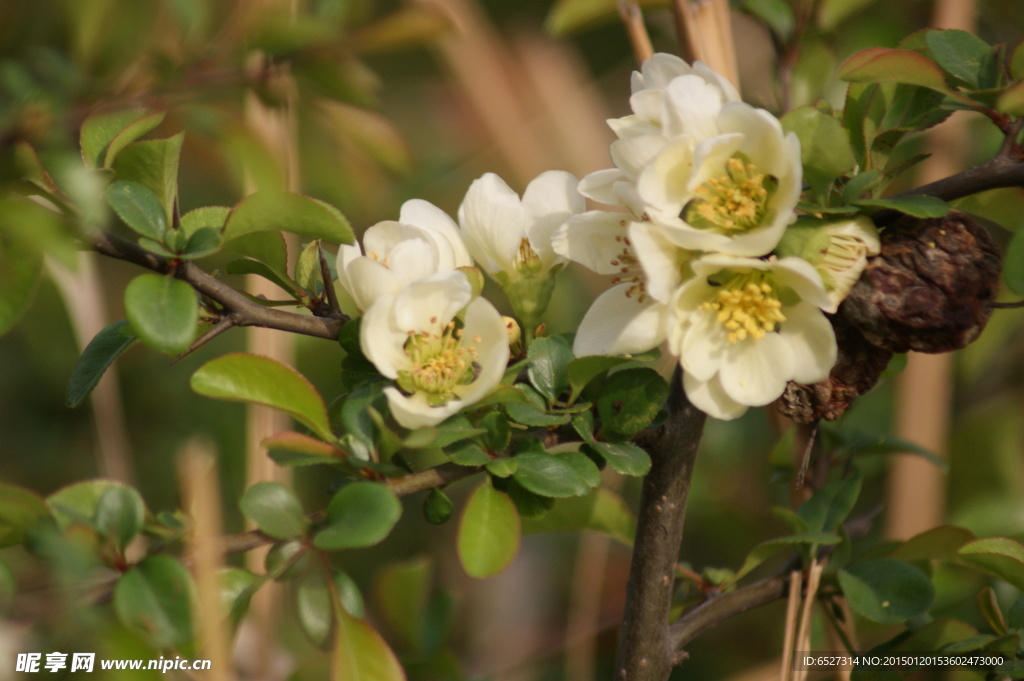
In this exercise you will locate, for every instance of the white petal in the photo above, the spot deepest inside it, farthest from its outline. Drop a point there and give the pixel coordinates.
(812, 341)
(665, 265)
(594, 239)
(380, 341)
(802, 277)
(729, 91)
(703, 346)
(633, 154)
(413, 411)
(484, 322)
(431, 218)
(599, 185)
(710, 156)
(664, 182)
(549, 200)
(413, 259)
(368, 280)
(492, 222)
(661, 69)
(710, 398)
(692, 106)
(755, 372)
(426, 303)
(616, 324)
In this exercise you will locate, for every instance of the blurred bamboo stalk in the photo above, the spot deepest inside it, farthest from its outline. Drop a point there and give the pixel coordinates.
(84, 301)
(916, 494)
(704, 29)
(197, 471)
(633, 20)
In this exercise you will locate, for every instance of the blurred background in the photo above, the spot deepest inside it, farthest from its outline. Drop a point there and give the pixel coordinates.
(367, 103)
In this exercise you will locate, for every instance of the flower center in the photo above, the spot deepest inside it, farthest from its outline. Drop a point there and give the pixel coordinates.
(629, 269)
(527, 260)
(747, 306)
(440, 363)
(734, 202)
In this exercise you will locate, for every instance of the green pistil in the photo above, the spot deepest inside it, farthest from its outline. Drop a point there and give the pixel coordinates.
(733, 203)
(440, 364)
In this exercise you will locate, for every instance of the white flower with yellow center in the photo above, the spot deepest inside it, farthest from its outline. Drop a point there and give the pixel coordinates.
(646, 269)
(440, 364)
(746, 327)
(511, 237)
(423, 241)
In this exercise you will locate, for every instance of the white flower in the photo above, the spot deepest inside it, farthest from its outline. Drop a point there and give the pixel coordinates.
(839, 250)
(732, 192)
(746, 327)
(439, 365)
(423, 241)
(632, 316)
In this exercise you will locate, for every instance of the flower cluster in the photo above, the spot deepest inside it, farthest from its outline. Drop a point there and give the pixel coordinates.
(704, 252)
(423, 325)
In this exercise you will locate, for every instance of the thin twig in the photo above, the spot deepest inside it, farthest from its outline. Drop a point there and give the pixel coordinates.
(636, 31)
(217, 329)
(686, 32)
(325, 276)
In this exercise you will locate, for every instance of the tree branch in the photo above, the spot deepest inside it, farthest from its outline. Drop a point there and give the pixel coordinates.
(645, 653)
(240, 309)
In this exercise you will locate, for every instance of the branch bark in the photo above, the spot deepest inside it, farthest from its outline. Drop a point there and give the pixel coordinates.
(645, 650)
(239, 308)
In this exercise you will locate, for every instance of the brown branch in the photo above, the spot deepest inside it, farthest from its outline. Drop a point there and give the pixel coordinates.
(645, 653)
(239, 308)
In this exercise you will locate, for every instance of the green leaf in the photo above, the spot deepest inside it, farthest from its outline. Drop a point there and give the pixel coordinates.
(302, 215)
(528, 414)
(489, 532)
(361, 514)
(549, 359)
(287, 560)
(109, 344)
(467, 453)
(1003, 206)
(777, 14)
(989, 607)
(153, 164)
(79, 501)
(207, 217)
(1001, 556)
(583, 370)
(155, 597)
(965, 56)
(236, 589)
(600, 511)
(825, 149)
(832, 12)
(349, 596)
(202, 243)
(307, 267)
(886, 590)
(570, 474)
(765, 550)
(21, 269)
(916, 205)
(497, 433)
(502, 468)
(624, 458)
(275, 510)
(268, 248)
(402, 591)
(938, 543)
(1013, 264)
(139, 208)
(20, 510)
(99, 131)
(119, 515)
(314, 606)
(249, 378)
(437, 507)
(163, 312)
(629, 402)
(830, 505)
(887, 65)
(246, 266)
(360, 654)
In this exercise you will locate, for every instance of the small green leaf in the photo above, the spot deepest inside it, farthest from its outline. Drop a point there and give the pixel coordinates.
(467, 453)
(916, 205)
(361, 514)
(349, 596)
(549, 359)
(437, 507)
(360, 654)
(79, 501)
(583, 370)
(275, 510)
(1013, 264)
(155, 597)
(1001, 556)
(965, 56)
(119, 515)
(989, 607)
(530, 415)
(307, 267)
(503, 467)
(207, 217)
(138, 207)
(403, 592)
(236, 589)
(247, 266)
(570, 474)
(314, 606)
(153, 164)
(886, 590)
(21, 269)
(20, 510)
(200, 244)
(287, 560)
(629, 402)
(163, 312)
(938, 543)
(887, 65)
(489, 532)
(498, 433)
(109, 344)
(624, 457)
(825, 149)
(249, 378)
(765, 550)
(830, 505)
(600, 511)
(302, 215)
(99, 131)
(131, 132)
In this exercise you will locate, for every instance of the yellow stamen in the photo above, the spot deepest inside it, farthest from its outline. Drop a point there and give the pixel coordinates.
(440, 363)
(747, 306)
(734, 202)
